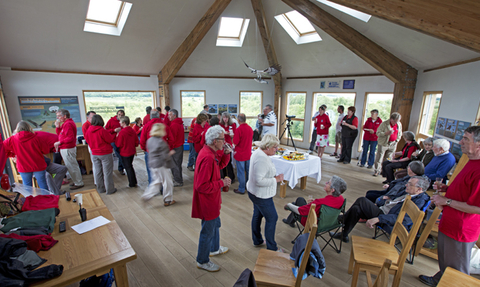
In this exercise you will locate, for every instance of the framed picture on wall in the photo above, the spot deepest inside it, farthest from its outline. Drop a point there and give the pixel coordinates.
(222, 108)
(212, 109)
(349, 84)
(232, 108)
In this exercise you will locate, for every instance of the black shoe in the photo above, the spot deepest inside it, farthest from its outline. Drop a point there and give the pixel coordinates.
(339, 160)
(339, 236)
(346, 162)
(386, 182)
(427, 280)
(122, 172)
(286, 222)
(334, 154)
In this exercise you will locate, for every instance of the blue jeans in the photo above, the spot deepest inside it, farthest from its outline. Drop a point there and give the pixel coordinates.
(192, 155)
(39, 175)
(243, 167)
(371, 155)
(264, 208)
(148, 169)
(117, 153)
(209, 240)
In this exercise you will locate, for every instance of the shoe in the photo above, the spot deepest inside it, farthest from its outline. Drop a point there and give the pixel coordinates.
(286, 222)
(339, 236)
(122, 172)
(259, 245)
(361, 165)
(209, 266)
(430, 243)
(427, 280)
(132, 186)
(334, 154)
(385, 182)
(168, 203)
(221, 250)
(115, 190)
(369, 166)
(361, 220)
(72, 184)
(76, 187)
(65, 182)
(281, 250)
(375, 174)
(237, 191)
(177, 184)
(339, 160)
(190, 168)
(345, 162)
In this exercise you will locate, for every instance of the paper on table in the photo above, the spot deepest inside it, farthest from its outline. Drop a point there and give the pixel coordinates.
(90, 224)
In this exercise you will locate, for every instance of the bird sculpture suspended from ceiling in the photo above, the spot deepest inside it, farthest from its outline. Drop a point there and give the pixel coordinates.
(270, 71)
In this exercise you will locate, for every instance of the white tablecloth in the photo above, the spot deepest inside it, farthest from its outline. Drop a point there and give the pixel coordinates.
(294, 170)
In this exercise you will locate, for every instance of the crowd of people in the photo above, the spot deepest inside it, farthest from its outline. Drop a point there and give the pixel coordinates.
(221, 142)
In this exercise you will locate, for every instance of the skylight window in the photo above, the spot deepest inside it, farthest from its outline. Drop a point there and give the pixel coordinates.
(232, 31)
(107, 16)
(352, 12)
(298, 27)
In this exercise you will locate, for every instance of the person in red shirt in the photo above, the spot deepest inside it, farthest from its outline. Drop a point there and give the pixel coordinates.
(85, 127)
(113, 126)
(3, 155)
(28, 150)
(67, 143)
(127, 141)
(100, 142)
(370, 139)
(402, 158)
(207, 198)
(201, 126)
(230, 127)
(349, 133)
(146, 118)
(160, 115)
(146, 135)
(389, 134)
(166, 119)
(192, 155)
(322, 123)
(242, 140)
(177, 131)
(138, 127)
(459, 226)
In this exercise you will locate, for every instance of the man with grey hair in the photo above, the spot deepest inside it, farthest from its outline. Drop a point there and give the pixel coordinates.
(205, 109)
(387, 213)
(207, 199)
(333, 188)
(389, 134)
(269, 123)
(242, 140)
(177, 133)
(459, 226)
(442, 162)
(154, 119)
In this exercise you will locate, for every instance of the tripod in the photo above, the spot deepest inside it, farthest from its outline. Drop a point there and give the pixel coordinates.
(289, 136)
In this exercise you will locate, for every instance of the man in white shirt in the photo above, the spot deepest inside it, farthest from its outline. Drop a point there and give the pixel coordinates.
(338, 130)
(270, 121)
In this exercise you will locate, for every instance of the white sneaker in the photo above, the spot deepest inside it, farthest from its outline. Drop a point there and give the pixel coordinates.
(221, 250)
(209, 266)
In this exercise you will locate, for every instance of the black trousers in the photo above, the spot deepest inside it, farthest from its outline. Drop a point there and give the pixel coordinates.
(228, 170)
(57, 158)
(177, 158)
(347, 144)
(388, 168)
(299, 202)
(128, 165)
(314, 140)
(362, 208)
(372, 195)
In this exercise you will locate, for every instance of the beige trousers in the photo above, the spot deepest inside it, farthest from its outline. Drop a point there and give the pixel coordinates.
(69, 156)
(383, 153)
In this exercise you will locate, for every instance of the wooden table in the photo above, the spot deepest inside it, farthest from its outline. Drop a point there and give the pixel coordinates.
(92, 253)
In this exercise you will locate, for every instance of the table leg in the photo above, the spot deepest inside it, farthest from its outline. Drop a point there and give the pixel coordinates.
(121, 276)
(283, 189)
(303, 183)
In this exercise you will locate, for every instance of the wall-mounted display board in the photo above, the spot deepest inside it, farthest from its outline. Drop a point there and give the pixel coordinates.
(451, 130)
(40, 112)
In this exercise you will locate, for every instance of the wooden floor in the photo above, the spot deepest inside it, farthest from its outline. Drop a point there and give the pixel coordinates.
(165, 238)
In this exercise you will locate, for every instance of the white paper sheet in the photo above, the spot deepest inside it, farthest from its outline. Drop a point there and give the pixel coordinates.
(90, 224)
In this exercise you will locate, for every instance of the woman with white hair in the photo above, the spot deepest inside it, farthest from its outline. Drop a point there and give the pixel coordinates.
(334, 189)
(442, 162)
(402, 158)
(262, 187)
(160, 163)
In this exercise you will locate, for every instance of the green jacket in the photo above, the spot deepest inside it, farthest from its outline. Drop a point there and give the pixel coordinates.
(383, 128)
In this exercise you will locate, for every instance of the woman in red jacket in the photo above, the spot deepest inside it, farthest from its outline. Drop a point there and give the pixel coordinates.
(100, 142)
(201, 126)
(370, 139)
(138, 127)
(127, 141)
(322, 123)
(28, 151)
(230, 128)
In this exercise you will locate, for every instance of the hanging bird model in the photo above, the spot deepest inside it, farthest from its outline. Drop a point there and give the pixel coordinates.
(270, 71)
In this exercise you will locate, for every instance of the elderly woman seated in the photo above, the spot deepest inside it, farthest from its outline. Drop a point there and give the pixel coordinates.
(424, 156)
(402, 158)
(334, 189)
(442, 162)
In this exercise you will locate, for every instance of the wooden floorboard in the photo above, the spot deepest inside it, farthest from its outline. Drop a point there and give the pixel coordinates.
(165, 238)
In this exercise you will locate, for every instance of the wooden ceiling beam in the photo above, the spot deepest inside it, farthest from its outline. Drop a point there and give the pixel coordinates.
(379, 58)
(456, 21)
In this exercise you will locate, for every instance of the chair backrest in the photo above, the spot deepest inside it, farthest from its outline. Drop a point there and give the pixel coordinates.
(328, 217)
(310, 227)
(382, 277)
(400, 232)
(426, 230)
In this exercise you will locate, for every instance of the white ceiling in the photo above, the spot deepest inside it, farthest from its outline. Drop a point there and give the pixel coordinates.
(48, 35)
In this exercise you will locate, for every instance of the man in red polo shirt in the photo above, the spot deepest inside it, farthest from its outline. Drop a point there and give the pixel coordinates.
(178, 135)
(85, 127)
(67, 143)
(113, 126)
(146, 118)
(243, 150)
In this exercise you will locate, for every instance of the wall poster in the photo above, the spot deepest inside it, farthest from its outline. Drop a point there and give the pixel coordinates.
(212, 109)
(232, 108)
(222, 108)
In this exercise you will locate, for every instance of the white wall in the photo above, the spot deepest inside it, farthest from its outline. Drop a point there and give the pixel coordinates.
(37, 84)
(363, 85)
(461, 92)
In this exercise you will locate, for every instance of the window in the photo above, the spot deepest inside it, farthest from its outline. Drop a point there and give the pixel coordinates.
(332, 101)
(107, 103)
(429, 113)
(352, 12)
(296, 107)
(192, 103)
(380, 101)
(251, 105)
(232, 31)
(298, 27)
(107, 16)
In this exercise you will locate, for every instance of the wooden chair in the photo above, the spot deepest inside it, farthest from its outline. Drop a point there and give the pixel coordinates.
(275, 269)
(453, 277)
(426, 231)
(369, 254)
(382, 278)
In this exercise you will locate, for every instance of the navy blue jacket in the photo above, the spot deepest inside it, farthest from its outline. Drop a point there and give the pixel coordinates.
(316, 262)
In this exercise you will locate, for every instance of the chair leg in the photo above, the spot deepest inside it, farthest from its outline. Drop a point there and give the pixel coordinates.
(396, 279)
(350, 263)
(356, 272)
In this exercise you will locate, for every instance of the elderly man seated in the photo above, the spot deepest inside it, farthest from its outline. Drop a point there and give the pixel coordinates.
(386, 214)
(442, 162)
(334, 189)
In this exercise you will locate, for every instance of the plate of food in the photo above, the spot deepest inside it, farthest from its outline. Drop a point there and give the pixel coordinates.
(294, 156)
(280, 151)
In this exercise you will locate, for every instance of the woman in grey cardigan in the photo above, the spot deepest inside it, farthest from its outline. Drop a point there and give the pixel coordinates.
(159, 162)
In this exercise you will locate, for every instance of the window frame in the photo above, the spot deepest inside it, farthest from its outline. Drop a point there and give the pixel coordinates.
(181, 102)
(421, 135)
(296, 119)
(290, 21)
(240, 104)
(117, 20)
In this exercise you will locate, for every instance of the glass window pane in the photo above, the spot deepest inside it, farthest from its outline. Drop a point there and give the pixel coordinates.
(429, 113)
(251, 103)
(104, 10)
(230, 27)
(192, 103)
(252, 122)
(301, 23)
(297, 130)
(380, 102)
(296, 105)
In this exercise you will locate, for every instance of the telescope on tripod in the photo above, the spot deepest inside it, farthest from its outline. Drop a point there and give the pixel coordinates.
(288, 120)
